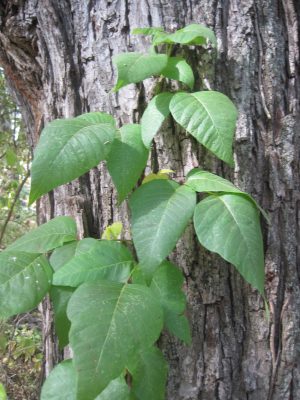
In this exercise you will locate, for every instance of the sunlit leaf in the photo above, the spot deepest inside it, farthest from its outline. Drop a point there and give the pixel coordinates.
(210, 117)
(194, 34)
(228, 224)
(69, 148)
(113, 231)
(135, 67)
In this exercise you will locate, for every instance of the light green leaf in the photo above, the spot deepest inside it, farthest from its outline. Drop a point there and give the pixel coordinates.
(162, 174)
(113, 231)
(194, 34)
(154, 115)
(146, 31)
(11, 157)
(69, 148)
(228, 224)
(2, 392)
(61, 383)
(161, 210)
(95, 260)
(60, 297)
(167, 287)
(46, 237)
(24, 280)
(61, 255)
(210, 117)
(178, 69)
(149, 375)
(135, 67)
(110, 323)
(116, 390)
(127, 159)
(203, 181)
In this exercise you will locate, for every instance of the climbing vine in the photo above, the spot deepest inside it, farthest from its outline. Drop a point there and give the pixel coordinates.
(109, 305)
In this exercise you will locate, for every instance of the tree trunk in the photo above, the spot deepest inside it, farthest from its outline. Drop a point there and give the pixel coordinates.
(57, 57)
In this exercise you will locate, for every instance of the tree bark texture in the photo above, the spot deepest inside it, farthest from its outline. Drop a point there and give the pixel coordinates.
(57, 57)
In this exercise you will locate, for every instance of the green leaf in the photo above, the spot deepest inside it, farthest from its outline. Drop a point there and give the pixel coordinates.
(178, 69)
(146, 31)
(24, 280)
(2, 392)
(61, 255)
(135, 67)
(228, 224)
(161, 210)
(127, 159)
(210, 117)
(203, 181)
(149, 375)
(154, 115)
(47, 236)
(194, 34)
(110, 323)
(167, 287)
(11, 157)
(61, 383)
(95, 260)
(116, 390)
(69, 148)
(113, 231)
(60, 297)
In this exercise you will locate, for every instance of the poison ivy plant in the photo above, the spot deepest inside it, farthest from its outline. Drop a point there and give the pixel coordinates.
(110, 305)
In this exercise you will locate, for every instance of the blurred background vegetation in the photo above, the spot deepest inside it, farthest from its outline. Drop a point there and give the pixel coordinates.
(20, 337)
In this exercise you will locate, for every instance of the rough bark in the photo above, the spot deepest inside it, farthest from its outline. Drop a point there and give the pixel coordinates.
(57, 56)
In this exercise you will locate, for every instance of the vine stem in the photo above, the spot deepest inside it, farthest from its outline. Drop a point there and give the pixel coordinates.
(9, 215)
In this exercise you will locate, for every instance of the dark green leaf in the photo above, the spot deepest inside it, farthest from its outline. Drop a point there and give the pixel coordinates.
(149, 375)
(69, 148)
(178, 69)
(110, 323)
(154, 115)
(116, 390)
(47, 237)
(228, 224)
(210, 117)
(24, 280)
(135, 67)
(95, 260)
(61, 383)
(161, 210)
(127, 159)
(167, 287)
(60, 297)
